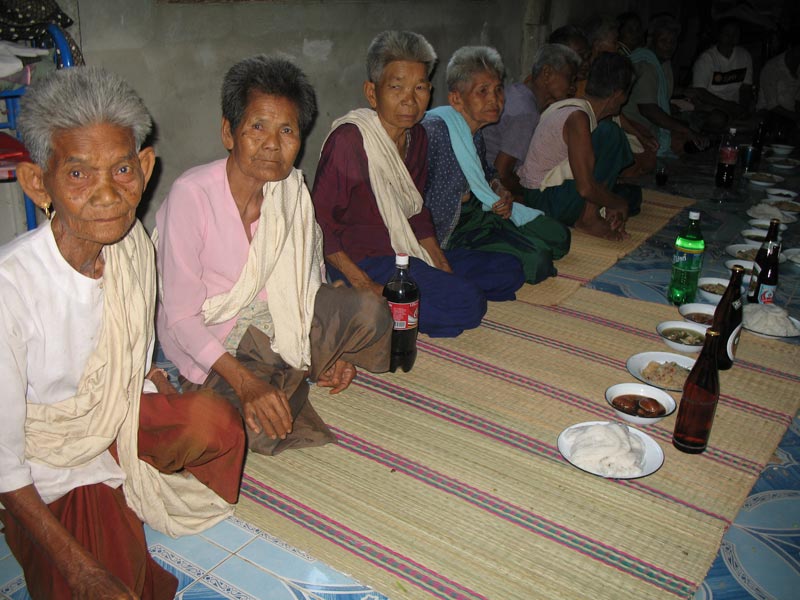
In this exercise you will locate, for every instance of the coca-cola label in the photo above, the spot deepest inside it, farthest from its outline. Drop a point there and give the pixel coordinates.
(727, 155)
(733, 342)
(766, 294)
(404, 314)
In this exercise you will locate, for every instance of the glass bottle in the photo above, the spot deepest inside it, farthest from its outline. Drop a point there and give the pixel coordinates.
(760, 262)
(699, 400)
(402, 295)
(686, 262)
(726, 162)
(728, 319)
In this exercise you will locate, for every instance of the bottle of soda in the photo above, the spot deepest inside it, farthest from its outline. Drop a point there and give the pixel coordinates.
(758, 142)
(402, 294)
(699, 400)
(726, 163)
(728, 319)
(760, 262)
(766, 283)
(687, 262)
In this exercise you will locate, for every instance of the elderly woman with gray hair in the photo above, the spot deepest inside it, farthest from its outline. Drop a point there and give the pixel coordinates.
(368, 197)
(93, 441)
(470, 206)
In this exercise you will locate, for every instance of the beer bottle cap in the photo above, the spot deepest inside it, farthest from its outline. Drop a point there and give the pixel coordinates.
(694, 215)
(401, 260)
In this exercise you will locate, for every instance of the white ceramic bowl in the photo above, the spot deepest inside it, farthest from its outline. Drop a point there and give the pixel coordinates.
(697, 307)
(764, 224)
(640, 389)
(709, 296)
(781, 149)
(678, 346)
(762, 179)
(780, 194)
(793, 257)
(748, 269)
(755, 237)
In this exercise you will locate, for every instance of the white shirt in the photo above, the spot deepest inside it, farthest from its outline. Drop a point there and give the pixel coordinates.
(779, 86)
(49, 325)
(723, 76)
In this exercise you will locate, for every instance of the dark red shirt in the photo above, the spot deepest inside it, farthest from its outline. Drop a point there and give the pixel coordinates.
(345, 205)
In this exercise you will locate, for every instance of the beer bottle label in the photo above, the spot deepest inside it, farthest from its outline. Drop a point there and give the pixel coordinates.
(733, 342)
(766, 294)
(404, 314)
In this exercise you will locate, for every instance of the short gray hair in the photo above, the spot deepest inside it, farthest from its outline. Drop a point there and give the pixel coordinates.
(390, 46)
(75, 98)
(469, 60)
(555, 56)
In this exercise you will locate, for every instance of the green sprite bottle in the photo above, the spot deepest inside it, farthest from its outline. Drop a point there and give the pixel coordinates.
(687, 262)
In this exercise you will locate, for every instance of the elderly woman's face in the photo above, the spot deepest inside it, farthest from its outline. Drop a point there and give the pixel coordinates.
(95, 179)
(480, 100)
(264, 145)
(401, 96)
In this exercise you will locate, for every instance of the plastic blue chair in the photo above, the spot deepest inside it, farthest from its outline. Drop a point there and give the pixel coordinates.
(63, 59)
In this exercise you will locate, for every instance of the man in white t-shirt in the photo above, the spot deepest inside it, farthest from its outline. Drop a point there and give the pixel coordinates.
(779, 92)
(725, 73)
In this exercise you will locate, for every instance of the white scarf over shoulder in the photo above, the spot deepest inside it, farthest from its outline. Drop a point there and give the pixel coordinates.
(396, 194)
(105, 408)
(562, 171)
(286, 259)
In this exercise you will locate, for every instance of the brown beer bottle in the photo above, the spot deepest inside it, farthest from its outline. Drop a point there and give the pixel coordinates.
(761, 258)
(728, 319)
(699, 400)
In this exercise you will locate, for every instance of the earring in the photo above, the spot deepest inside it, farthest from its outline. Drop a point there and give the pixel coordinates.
(47, 210)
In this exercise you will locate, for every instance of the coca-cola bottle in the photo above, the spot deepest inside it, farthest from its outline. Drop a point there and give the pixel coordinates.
(699, 400)
(728, 319)
(761, 260)
(726, 163)
(402, 294)
(758, 141)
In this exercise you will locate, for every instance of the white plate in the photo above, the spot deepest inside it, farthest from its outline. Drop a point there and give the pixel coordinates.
(734, 248)
(793, 203)
(653, 454)
(793, 252)
(775, 337)
(780, 149)
(764, 179)
(637, 362)
(784, 218)
(782, 162)
(764, 224)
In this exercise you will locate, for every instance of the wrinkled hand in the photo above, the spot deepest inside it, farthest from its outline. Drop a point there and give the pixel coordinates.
(502, 207)
(265, 408)
(338, 377)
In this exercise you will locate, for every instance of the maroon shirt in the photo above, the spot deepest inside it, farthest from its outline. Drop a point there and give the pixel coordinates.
(345, 205)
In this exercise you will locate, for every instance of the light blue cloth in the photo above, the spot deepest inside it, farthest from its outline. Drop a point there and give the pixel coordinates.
(664, 135)
(470, 163)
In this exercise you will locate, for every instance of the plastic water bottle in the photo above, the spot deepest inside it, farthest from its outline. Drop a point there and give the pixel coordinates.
(402, 294)
(687, 262)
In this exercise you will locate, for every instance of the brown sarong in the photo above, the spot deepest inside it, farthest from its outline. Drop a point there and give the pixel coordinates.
(197, 432)
(349, 324)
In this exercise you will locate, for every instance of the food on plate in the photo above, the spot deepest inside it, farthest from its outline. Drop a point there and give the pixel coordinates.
(714, 288)
(769, 319)
(749, 254)
(640, 406)
(684, 336)
(755, 237)
(764, 177)
(609, 449)
(765, 211)
(669, 374)
(783, 194)
(787, 205)
(702, 318)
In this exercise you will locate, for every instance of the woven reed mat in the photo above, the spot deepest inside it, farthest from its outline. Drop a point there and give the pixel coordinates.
(589, 256)
(447, 482)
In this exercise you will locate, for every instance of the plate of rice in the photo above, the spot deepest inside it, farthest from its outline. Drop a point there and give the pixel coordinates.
(769, 321)
(610, 450)
(664, 370)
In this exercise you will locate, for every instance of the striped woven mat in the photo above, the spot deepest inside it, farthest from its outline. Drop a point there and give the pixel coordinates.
(447, 482)
(589, 256)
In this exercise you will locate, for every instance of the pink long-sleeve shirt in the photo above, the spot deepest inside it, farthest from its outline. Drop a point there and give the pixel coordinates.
(202, 249)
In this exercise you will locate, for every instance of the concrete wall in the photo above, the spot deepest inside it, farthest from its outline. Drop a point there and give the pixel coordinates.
(176, 55)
